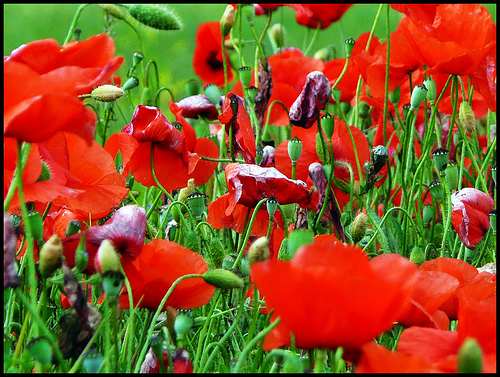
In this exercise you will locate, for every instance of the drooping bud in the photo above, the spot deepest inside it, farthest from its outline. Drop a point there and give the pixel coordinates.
(358, 227)
(431, 95)
(227, 20)
(440, 157)
(186, 191)
(326, 54)
(417, 255)
(451, 172)
(214, 253)
(294, 149)
(470, 357)
(224, 279)
(395, 96)
(328, 124)
(51, 256)
(155, 16)
(417, 96)
(212, 92)
(131, 83)
(248, 10)
(349, 46)
(259, 250)
(245, 75)
(81, 255)
(467, 117)
(107, 93)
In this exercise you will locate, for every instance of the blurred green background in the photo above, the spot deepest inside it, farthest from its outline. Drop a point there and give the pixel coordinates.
(173, 50)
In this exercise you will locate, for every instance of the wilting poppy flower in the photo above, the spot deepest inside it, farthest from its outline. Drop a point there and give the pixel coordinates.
(157, 267)
(236, 117)
(198, 105)
(248, 184)
(478, 285)
(470, 215)
(310, 15)
(126, 231)
(462, 36)
(42, 82)
(150, 128)
(331, 295)
(440, 347)
(207, 60)
(311, 100)
(79, 176)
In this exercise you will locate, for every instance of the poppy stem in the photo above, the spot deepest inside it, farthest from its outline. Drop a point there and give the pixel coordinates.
(319, 360)
(75, 21)
(313, 39)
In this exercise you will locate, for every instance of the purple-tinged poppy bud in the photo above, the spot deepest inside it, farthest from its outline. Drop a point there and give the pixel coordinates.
(199, 105)
(304, 112)
(267, 156)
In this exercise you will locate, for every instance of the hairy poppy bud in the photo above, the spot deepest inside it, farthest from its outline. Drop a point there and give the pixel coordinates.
(470, 357)
(283, 253)
(45, 173)
(277, 33)
(107, 259)
(227, 21)
(113, 10)
(214, 253)
(326, 54)
(358, 227)
(224, 279)
(430, 84)
(107, 93)
(440, 157)
(51, 256)
(417, 255)
(155, 16)
(259, 250)
(294, 149)
(245, 75)
(466, 117)
(417, 96)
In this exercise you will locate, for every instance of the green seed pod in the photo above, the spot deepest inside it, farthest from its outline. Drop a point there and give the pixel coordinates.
(252, 93)
(467, 117)
(51, 256)
(223, 279)
(215, 253)
(41, 350)
(364, 110)
(272, 206)
(451, 172)
(417, 96)
(131, 83)
(349, 45)
(192, 241)
(155, 16)
(427, 214)
(437, 190)
(183, 323)
(74, 226)
(244, 267)
(417, 255)
(196, 203)
(259, 250)
(112, 282)
(358, 227)
(431, 95)
(470, 357)
(294, 149)
(213, 94)
(228, 262)
(440, 157)
(245, 75)
(328, 124)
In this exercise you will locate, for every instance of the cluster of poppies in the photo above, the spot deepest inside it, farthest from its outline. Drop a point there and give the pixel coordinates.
(328, 293)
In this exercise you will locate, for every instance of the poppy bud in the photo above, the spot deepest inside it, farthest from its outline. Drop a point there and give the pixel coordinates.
(147, 96)
(297, 238)
(259, 250)
(40, 349)
(417, 96)
(417, 255)
(45, 173)
(196, 203)
(493, 221)
(245, 75)
(345, 107)
(440, 157)
(427, 214)
(183, 323)
(436, 190)
(214, 253)
(81, 255)
(395, 96)
(192, 87)
(131, 83)
(277, 33)
(248, 11)
(51, 256)
(224, 279)
(74, 226)
(430, 84)
(364, 110)
(36, 223)
(283, 253)
(252, 93)
(294, 149)
(192, 241)
(467, 117)
(272, 206)
(92, 361)
(349, 45)
(328, 124)
(155, 16)
(107, 259)
(244, 267)
(451, 172)
(107, 93)
(227, 21)
(113, 10)
(213, 94)
(320, 151)
(358, 227)
(470, 357)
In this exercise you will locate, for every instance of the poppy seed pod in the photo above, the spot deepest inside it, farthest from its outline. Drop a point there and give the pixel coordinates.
(224, 279)
(466, 117)
(212, 92)
(74, 226)
(196, 202)
(137, 57)
(440, 157)
(417, 96)
(470, 357)
(431, 95)
(227, 20)
(131, 83)
(252, 93)
(183, 323)
(112, 282)
(294, 149)
(107, 93)
(328, 124)
(51, 256)
(259, 250)
(155, 16)
(451, 172)
(272, 206)
(349, 46)
(245, 75)
(436, 190)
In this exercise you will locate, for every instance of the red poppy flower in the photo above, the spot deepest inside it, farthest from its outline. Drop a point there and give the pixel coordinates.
(42, 82)
(417, 12)
(470, 215)
(126, 231)
(236, 117)
(479, 285)
(440, 347)
(304, 112)
(157, 267)
(248, 184)
(207, 60)
(82, 177)
(199, 105)
(310, 15)
(149, 127)
(455, 42)
(321, 295)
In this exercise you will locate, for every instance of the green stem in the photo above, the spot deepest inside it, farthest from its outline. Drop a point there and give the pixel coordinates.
(313, 39)
(75, 21)
(319, 360)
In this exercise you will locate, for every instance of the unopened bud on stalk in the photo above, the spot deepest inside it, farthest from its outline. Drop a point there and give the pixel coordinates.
(417, 255)
(224, 279)
(74, 226)
(277, 33)
(395, 96)
(227, 21)
(417, 96)
(81, 255)
(259, 250)
(183, 323)
(364, 110)
(245, 75)
(107, 259)
(155, 16)
(358, 227)
(248, 10)
(326, 54)
(466, 117)
(107, 93)
(470, 357)
(294, 149)
(431, 95)
(51, 256)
